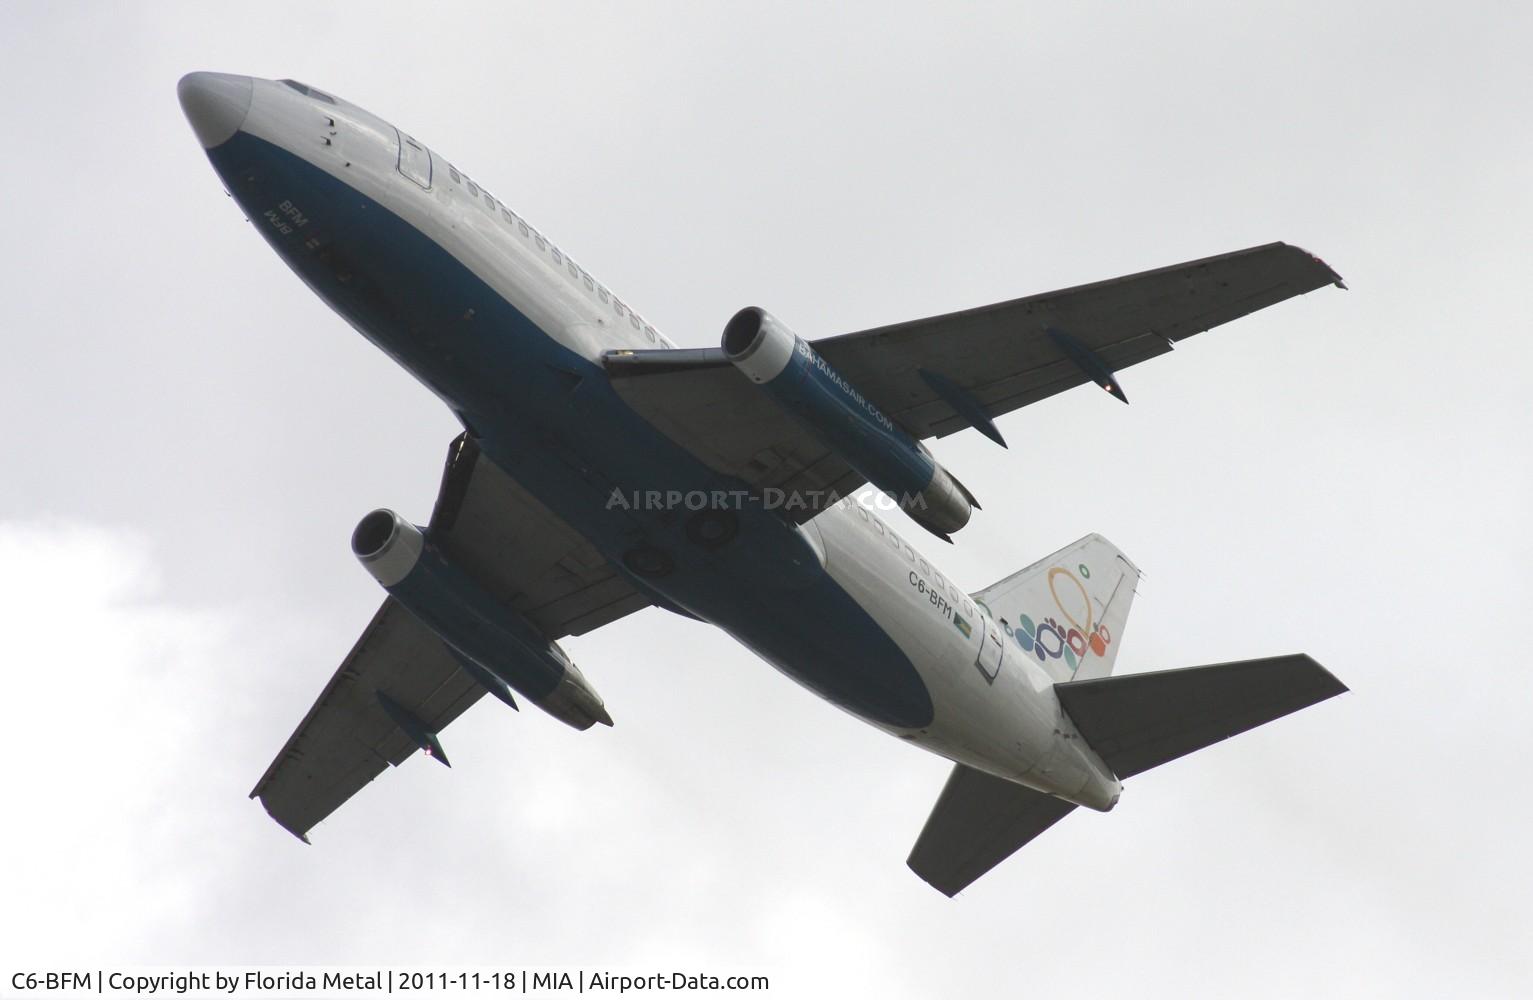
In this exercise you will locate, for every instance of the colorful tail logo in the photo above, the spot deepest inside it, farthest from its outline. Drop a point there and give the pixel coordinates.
(1048, 639)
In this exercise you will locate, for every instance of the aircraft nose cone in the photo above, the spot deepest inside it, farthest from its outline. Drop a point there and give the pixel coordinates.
(215, 104)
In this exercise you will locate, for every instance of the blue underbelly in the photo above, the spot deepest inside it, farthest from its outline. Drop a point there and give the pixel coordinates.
(552, 421)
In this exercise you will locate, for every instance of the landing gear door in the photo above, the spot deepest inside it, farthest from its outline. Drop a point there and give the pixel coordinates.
(991, 652)
(414, 160)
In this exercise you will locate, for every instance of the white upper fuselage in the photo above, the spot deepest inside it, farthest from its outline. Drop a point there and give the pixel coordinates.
(1011, 725)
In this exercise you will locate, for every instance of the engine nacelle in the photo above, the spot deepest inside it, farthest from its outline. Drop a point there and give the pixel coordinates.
(806, 385)
(494, 643)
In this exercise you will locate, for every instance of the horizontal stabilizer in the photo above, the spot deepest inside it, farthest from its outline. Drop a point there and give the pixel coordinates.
(1139, 721)
(978, 822)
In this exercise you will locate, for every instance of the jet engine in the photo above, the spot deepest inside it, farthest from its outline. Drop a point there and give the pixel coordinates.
(494, 644)
(805, 384)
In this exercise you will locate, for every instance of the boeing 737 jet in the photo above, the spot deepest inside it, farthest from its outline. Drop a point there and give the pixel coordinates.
(602, 470)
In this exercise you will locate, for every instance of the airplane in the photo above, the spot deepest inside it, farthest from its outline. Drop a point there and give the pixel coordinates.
(602, 470)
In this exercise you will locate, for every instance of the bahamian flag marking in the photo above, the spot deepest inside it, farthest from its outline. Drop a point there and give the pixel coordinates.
(962, 626)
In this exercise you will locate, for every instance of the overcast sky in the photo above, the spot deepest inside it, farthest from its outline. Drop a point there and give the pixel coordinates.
(190, 436)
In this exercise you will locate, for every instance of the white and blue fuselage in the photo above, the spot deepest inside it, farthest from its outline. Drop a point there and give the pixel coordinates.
(510, 334)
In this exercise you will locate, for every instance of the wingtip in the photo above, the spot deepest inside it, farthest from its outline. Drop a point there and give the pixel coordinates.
(302, 835)
(1336, 683)
(947, 890)
(1335, 277)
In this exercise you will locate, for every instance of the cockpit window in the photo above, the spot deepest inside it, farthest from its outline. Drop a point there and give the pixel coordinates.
(308, 91)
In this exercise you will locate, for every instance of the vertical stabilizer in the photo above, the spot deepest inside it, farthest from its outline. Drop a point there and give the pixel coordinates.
(1068, 610)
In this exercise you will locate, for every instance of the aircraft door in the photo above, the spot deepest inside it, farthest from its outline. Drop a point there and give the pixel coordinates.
(991, 651)
(414, 160)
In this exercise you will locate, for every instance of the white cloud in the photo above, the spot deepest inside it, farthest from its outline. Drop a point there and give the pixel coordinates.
(107, 727)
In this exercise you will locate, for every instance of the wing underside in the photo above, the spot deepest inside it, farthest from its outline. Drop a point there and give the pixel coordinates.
(515, 548)
(347, 739)
(1006, 356)
(995, 358)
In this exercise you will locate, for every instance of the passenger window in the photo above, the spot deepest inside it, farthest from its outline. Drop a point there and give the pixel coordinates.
(601, 292)
(925, 569)
(505, 213)
(473, 189)
(634, 319)
(617, 306)
(880, 526)
(523, 227)
(894, 540)
(542, 243)
(590, 285)
(649, 332)
(555, 252)
(862, 511)
(490, 201)
(574, 270)
(456, 177)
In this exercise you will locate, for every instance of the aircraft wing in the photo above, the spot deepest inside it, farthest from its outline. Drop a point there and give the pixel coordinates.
(347, 739)
(510, 543)
(1001, 357)
(522, 552)
(1005, 357)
